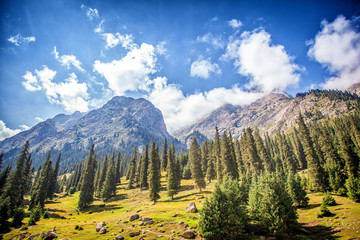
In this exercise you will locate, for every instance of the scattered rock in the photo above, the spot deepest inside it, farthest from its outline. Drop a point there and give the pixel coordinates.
(126, 221)
(133, 217)
(103, 230)
(145, 219)
(133, 234)
(139, 210)
(160, 225)
(188, 234)
(172, 231)
(181, 222)
(160, 236)
(119, 237)
(149, 222)
(176, 215)
(48, 235)
(150, 204)
(182, 226)
(121, 230)
(141, 223)
(128, 210)
(198, 237)
(112, 234)
(100, 225)
(161, 230)
(191, 208)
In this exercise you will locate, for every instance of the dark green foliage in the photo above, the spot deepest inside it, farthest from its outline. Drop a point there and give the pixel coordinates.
(87, 186)
(228, 157)
(299, 150)
(271, 205)
(4, 213)
(186, 174)
(324, 211)
(223, 216)
(1, 159)
(3, 176)
(45, 214)
(144, 169)
(263, 152)
(132, 169)
(296, 190)
(154, 173)
(118, 168)
(35, 214)
(195, 165)
(102, 176)
(109, 187)
(328, 200)
(217, 155)
(211, 171)
(353, 188)
(54, 187)
(164, 156)
(41, 190)
(18, 216)
(250, 157)
(172, 182)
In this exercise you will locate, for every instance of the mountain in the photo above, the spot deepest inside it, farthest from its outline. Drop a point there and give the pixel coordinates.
(118, 125)
(273, 112)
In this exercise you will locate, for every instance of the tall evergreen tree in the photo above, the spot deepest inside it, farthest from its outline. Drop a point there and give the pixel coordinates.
(1, 159)
(118, 168)
(250, 155)
(54, 187)
(104, 168)
(299, 150)
(87, 187)
(262, 152)
(144, 169)
(227, 158)
(154, 173)
(40, 193)
(164, 156)
(132, 169)
(211, 173)
(217, 155)
(109, 186)
(27, 176)
(172, 186)
(3, 176)
(316, 172)
(195, 165)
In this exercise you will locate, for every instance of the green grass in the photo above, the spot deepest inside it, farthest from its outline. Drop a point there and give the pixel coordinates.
(65, 216)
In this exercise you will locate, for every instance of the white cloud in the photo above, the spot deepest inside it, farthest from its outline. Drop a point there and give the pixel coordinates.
(99, 28)
(55, 53)
(7, 132)
(216, 41)
(174, 105)
(112, 40)
(18, 39)
(39, 119)
(203, 68)
(337, 46)
(24, 127)
(234, 23)
(268, 66)
(131, 73)
(67, 60)
(161, 49)
(70, 93)
(90, 12)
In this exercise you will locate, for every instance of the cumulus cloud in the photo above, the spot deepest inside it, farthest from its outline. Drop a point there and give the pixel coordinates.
(175, 105)
(234, 23)
(203, 68)
(70, 93)
(131, 73)
(67, 60)
(161, 49)
(24, 127)
(112, 40)
(90, 12)
(39, 119)
(19, 40)
(215, 41)
(337, 47)
(268, 66)
(6, 132)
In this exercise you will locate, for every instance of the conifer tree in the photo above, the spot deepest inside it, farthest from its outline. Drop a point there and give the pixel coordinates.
(54, 186)
(262, 152)
(164, 157)
(118, 168)
(316, 172)
(132, 169)
(109, 186)
(217, 155)
(299, 150)
(138, 171)
(87, 186)
(104, 168)
(1, 159)
(41, 190)
(178, 173)
(3, 176)
(204, 156)
(250, 154)
(154, 173)
(211, 173)
(227, 158)
(144, 169)
(77, 180)
(296, 190)
(195, 165)
(172, 186)
(27, 176)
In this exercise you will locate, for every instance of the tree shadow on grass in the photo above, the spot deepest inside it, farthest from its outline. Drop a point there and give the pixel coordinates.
(310, 206)
(102, 207)
(315, 231)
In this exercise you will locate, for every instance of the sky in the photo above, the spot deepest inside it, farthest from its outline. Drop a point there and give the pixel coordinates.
(186, 57)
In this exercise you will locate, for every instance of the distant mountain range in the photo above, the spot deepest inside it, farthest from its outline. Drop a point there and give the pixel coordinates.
(118, 125)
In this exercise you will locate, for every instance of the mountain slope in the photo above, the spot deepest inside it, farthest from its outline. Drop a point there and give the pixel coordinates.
(273, 112)
(118, 125)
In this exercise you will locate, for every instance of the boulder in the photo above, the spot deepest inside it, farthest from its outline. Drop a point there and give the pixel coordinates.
(48, 235)
(133, 234)
(191, 208)
(145, 219)
(100, 225)
(119, 237)
(149, 223)
(141, 223)
(103, 230)
(134, 217)
(188, 234)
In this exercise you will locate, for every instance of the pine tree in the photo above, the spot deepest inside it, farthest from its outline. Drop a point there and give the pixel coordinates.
(104, 168)
(211, 173)
(41, 190)
(3, 176)
(132, 168)
(195, 165)
(109, 186)
(316, 172)
(216, 152)
(296, 190)
(299, 150)
(154, 173)
(54, 186)
(144, 169)
(178, 173)
(262, 152)
(1, 159)
(118, 168)
(204, 156)
(250, 155)
(87, 187)
(164, 157)
(27, 176)
(172, 186)
(227, 158)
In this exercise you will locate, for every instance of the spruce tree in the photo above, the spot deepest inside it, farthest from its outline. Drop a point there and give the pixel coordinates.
(144, 169)
(104, 168)
(296, 190)
(27, 176)
(118, 168)
(227, 158)
(164, 157)
(132, 169)
(41, 190)
(172, 186)
(299, 150)
(262, 152)
(3, 176)
(195, 165)
(87, 186)
(154, 173)
(211, 173)
(250, 153)
(1, 159)
(204, 156)
(217, 152)
(109, 186)
(54, 186)
(316, 172)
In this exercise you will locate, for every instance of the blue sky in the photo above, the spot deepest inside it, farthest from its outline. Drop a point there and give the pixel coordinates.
(186, 57)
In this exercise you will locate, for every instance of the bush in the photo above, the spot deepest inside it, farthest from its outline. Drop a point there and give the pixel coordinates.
(296, 191)
(18, 216)
(328, 200)
(35, 214)
(353, 188)
(223, 215)
(324, 211)
(341, 191)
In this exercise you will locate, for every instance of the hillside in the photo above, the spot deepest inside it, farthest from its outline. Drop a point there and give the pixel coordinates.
(118, 125)
(273, 112)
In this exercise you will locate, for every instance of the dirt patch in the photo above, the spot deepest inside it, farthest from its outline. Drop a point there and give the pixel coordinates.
(313, 224)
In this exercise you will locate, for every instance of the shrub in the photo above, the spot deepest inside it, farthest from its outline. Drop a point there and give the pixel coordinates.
(324, 211)
(353, 188)
(328, 200)
(35, 214)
